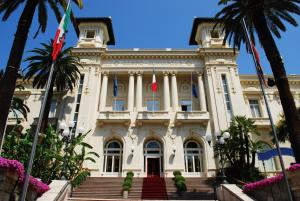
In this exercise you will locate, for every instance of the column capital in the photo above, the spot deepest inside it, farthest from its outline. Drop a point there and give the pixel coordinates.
(173, 73)
(105, 73)
(131, 73)
(166, 73)
(199, 73)
(140, 72)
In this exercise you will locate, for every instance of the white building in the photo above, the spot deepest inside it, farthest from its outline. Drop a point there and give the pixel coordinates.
(155, 134)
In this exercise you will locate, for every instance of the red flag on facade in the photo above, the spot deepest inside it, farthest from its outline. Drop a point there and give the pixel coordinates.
(154, 83)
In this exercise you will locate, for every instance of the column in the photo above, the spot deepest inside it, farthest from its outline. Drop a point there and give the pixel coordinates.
(202, 98)
(166, 92)
(139, 92)
(130, 92)
(174, 92)
(103, 94)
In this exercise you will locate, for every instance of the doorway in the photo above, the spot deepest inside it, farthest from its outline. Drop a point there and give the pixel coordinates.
(153, 167)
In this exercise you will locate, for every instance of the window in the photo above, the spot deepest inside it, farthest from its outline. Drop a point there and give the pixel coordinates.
(214, 34)
(52, 109)
(254, 107)
(186, 105)
(113, 156)
(193, 157)
(152, 105)
(78, 100)
(118, 105)
(90, 34)
(227, 96)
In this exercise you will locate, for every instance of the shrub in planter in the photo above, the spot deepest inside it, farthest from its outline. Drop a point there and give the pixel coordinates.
(181, 186)
(126, 188)
(127, 183)
(179, 178)
(179, 181)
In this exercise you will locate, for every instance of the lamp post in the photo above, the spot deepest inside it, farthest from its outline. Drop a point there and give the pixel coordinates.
(68, 137)
(218, 147)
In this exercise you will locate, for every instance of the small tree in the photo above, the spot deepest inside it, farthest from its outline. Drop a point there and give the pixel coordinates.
(240, 150)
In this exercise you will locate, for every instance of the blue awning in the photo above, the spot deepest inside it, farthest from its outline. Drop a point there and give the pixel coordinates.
(266, 155)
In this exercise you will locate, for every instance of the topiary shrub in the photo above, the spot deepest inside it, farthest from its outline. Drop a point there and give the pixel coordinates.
(179, 181)
(130, 174)
(127, 184)
(176, 172)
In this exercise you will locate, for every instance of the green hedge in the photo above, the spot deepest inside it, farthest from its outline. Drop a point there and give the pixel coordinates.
(127, 184)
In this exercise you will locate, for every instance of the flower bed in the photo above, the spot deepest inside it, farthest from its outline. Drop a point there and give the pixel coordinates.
(274, 188)
(13, 165)
(36, 188)
(269, 181)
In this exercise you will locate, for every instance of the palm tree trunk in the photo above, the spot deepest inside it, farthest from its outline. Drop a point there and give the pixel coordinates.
(286, 97)
(8, 82)
(48, 106)
(247, 148)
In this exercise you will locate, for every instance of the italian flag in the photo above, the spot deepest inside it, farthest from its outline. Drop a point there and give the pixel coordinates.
(60, 33)
(154, 83)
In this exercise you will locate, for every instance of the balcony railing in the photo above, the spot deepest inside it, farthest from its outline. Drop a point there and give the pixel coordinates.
(114, 117)
(153, 117)
(51, 120)
(262, 122)
(192, 117)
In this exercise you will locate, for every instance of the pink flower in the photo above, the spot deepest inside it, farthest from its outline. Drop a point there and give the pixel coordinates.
(13, 165)
(38, 186)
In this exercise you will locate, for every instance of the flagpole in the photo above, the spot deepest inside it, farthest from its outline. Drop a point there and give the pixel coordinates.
(269, 112)
(191, 92)
(33, 149)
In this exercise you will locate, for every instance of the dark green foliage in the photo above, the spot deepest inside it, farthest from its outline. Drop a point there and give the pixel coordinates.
(179, 181)
(130, 174)
(282, 129)
(128, 181)
(65, 75)
(240, 151)
(179, 178)
(176, 172)
(181, 187)
(48, 161)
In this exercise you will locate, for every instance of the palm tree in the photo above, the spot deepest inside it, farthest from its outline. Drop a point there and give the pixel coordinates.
(8, 83)
(65, 76)
(265, 18)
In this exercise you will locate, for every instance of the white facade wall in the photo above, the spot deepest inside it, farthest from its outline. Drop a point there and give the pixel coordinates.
(170, 126)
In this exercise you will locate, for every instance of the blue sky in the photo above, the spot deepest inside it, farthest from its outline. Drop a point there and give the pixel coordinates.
(150, 24)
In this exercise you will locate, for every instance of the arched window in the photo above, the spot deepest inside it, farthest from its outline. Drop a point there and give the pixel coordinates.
(113, 156)
(268, 165)
(193, 156)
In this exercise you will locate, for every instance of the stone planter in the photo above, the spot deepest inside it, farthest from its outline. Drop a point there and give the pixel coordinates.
(8, 181)
(125, 194)
(31, 195)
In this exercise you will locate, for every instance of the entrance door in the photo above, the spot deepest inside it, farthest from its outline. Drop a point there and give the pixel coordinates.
(153, 169)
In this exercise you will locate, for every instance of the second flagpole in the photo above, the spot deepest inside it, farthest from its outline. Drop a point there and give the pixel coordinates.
(290, 197)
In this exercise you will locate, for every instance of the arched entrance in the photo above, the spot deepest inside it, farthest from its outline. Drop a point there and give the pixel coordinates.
(193, 156)
(153, 158)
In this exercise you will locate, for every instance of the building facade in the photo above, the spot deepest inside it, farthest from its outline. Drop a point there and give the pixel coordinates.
(135, 129)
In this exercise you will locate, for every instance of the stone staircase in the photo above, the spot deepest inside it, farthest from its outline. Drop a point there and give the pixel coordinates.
(103, 188)
(95, 188)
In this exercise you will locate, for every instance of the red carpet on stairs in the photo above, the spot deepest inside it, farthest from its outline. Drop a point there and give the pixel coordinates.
(154, 188)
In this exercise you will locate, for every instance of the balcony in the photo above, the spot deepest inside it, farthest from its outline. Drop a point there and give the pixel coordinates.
(51, 120)
(120, 117)
(162, 117)
(216, 42)
(14, 120)
(201, 117)
(262, 122)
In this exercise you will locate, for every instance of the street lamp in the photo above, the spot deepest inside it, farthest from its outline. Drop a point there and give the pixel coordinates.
(218, 147)
(68, 137)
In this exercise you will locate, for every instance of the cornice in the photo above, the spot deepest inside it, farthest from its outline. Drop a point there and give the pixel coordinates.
(218, 52)
(252, 79)
(88, 51)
